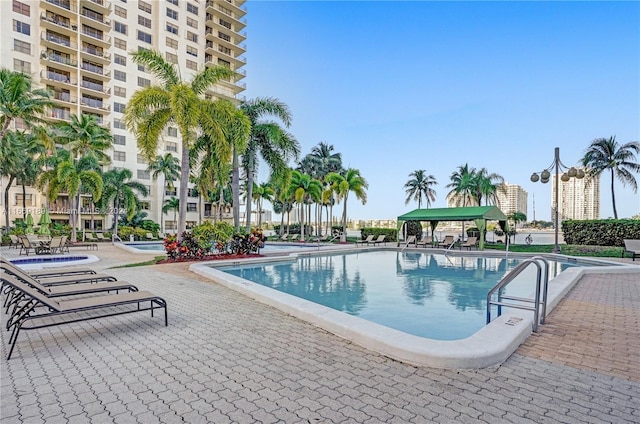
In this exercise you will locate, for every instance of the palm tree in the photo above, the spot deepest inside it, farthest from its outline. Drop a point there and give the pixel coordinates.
(462, 185)
(83, 136)
(420, 185)
(171, 204)
(262, 192)
(18, 100)
(487, 185)
(323, 161)
(176, 102)
(169, 167)
(268, 140)
(120, 191)
(342, 185)
(304, 190)
(606, 153)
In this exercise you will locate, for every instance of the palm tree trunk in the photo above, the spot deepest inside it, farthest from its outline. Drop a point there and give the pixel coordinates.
(613, 197)
(220, 202)
(162, 229)
(343, 237)
(24, 202)
(282, 219)
(235, 188)
(184, 187)
(6, 204)
(115, 216)
(249, 191)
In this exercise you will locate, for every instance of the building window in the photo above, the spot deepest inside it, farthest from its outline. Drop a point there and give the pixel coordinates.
(171, 58)
(117, 123)
(192, 36)
(120, 140)
(192, 23)
(143, 174)
(21, 8)
(172, 13)
(118, 107)
(192, 51)
(224, 23)
(172, 131)
(120, 60)
(171, 191)
(120, 11)
(120, 75)
(119, 156)
(141, 159)
(120, 44)
(192, 8)
(143, 82)
(21, 66)
(22, 46)
(120, 27)
(172, 29)
(21, 27)
(192, 207)
(28, 199)
(145, 22)
(172, 43)
(171, 146)
(120, 91)
(143, 36)
(145, 7)
(174, 2)
(224, 63)
(192, 65)
(224, 36)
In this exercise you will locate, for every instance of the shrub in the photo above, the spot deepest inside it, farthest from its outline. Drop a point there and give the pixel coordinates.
(392, 234)
(602, 232)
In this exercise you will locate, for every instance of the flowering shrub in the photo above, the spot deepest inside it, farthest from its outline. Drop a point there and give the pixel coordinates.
(197, 247)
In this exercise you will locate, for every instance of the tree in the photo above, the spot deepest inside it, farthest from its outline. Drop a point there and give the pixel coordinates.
(606, 154)
(169, 167)
(262, 192)
(15, 153)
(172, 204)
(420, 185)
(267, 140)
(19, 100)
(322, 161)
(304, 190)
(121, 191)
(83, 136)
(462, 185)
(342, 185)
(486, 186)
(176, 102)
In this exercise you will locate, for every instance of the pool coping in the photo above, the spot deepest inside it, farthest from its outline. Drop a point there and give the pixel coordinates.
(491, 345)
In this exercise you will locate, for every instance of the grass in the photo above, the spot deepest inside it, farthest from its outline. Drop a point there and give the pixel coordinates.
(566, 249)
(145, 263)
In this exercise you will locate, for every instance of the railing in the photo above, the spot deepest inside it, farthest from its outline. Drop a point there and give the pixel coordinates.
(63, 4)
(62, 41)
(539, 307)
(96, 35)
(98, 104)
(95, 69)
(54, 76)
(96, 52)
(95, 87)
(62, 22)
(58, 58)
(95, 16)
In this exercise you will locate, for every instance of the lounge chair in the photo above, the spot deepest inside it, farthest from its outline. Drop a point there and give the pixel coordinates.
(409, 240)
(101, 237)
(150, 236)
(381, 239)
(294, 237)
(55, 280)
(633, 247)
(447, 242)
(14, 241)
(284, 237)
(26, 246)
(52, 272)
(26, 317)
(89, 237)
(471, 242)
(368, 240)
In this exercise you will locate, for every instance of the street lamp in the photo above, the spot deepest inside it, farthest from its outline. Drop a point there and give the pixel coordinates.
(544, 176)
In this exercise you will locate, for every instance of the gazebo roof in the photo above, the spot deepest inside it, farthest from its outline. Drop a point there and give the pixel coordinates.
(454, 214)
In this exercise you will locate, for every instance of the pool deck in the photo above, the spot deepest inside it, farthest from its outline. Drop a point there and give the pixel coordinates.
(226, 358)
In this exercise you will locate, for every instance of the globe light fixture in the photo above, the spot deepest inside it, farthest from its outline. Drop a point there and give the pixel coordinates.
(544, 176)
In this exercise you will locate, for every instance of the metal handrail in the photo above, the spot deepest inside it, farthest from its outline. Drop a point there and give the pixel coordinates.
(539, 307)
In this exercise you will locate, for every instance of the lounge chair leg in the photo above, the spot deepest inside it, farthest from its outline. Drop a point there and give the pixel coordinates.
(16, 330)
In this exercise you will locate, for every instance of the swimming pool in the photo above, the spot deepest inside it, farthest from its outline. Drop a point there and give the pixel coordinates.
(490, 345)
(53, 261)
(158, 247)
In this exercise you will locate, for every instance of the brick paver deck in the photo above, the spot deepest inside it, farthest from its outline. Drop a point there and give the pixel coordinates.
(225, 358)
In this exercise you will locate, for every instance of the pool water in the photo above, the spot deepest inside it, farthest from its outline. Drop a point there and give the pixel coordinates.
(420, 293)
(269, 247)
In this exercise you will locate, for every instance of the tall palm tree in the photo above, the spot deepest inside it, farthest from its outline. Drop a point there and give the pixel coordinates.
(19, 100)
(176, 102)
(83, 136)
(322, 161)
(420, 185)
(121, 191)
(267, 140)
(262, 192)
(171, 204)
(486, 186)
(462, 185)
(606, 154)
(169, 167)
(342, 185)
(304, 190)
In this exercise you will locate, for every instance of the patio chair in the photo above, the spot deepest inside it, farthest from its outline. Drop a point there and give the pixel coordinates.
(100, 237)
(26, 246)
(41, 273)
(60, 312)
(447, 242)
(633, 247)
(150, 236)
(56, 280)
(283, 237)
(471, 242)
(89, 237)
(368, 240)
(14, 241)
(409, 240)
(381, 239)
(294, 237)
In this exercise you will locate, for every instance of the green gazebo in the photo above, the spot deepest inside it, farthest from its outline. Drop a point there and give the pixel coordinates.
(479, 214)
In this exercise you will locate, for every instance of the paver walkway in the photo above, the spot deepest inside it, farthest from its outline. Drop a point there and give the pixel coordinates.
(225, 358)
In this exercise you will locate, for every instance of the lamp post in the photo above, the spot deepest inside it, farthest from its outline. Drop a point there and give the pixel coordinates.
(544, 176)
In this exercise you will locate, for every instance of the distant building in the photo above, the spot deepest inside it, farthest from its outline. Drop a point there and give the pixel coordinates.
(577, 198)
(513, 198)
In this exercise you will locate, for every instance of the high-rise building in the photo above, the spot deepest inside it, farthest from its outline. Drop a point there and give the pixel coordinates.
(577, 198)
(512, 198)
(79, 49)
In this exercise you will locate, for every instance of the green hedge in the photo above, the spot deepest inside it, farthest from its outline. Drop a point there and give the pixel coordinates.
(602, 232)
(392, 234)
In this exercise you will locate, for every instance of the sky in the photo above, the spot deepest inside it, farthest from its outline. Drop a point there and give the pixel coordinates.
(401, 86)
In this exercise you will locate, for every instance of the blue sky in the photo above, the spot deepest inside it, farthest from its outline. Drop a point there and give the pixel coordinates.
(401, 86)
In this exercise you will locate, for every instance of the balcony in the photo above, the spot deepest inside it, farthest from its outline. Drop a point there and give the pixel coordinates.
(59, 23)
(89, 103)
(228, 7)
(96, 71)
(96, 19)
(96, 36)
(58, 59)
(95, 54)
(64, 97)
(98, 88)
(62, 7)
(59, 114)
(101, 6)
(58, 41)
(218, 50)
(57, 79)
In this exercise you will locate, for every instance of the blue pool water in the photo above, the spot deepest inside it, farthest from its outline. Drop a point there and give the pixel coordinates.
(48, 259)
(420, 293)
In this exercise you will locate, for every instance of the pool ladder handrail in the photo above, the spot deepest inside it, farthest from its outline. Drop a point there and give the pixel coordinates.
(539, 307)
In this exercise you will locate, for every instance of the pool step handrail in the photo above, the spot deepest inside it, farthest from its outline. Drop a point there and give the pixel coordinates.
(539, 302)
